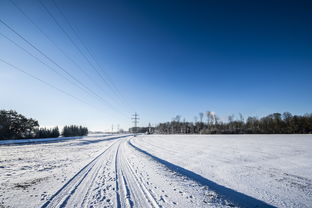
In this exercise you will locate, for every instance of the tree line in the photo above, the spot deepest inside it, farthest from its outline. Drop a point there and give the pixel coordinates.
(210, 123)
(16, 126)
(73, 130)
(47, 133)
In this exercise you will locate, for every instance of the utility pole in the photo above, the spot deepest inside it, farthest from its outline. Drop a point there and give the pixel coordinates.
(135, 119)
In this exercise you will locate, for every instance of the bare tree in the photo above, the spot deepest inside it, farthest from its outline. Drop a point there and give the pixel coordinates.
(241, 117)
(208, 114)
(231, 118)
(201, 115)
(177, 118)
(216, 119)
(285, 123)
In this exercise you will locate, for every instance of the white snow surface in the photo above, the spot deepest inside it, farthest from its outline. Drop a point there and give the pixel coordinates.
(19, 141)
(30, 173)
(276, 169)
(158, 171)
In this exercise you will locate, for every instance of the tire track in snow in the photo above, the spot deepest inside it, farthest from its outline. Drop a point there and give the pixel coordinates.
(60, 198)
(87, 188)
(118, 203)
(133, 191)
(147, 193)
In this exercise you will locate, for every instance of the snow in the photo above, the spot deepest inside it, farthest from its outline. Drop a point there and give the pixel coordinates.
(276, 169)
(32, 172)
(19, 141)
(158, 171)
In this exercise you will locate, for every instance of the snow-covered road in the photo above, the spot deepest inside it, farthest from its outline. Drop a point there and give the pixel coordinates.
(115, 171)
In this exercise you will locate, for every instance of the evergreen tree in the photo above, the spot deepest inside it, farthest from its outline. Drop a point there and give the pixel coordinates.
(16, 126)
(74, 130)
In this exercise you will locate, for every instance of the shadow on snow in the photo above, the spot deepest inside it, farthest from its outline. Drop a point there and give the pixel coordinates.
(239, 199)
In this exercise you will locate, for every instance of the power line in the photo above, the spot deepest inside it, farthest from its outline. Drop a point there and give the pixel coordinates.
(80, 84)
(38, 59)
(80, 40)
(42, 62)
(108, 82)
(71, 40)
(53, 42)
(51, 60)
(49, 84)
(44, 82)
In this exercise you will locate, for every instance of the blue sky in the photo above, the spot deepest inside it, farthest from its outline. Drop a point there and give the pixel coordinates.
(166, 58)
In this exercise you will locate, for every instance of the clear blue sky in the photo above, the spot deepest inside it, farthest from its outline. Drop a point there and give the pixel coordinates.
(166, 58)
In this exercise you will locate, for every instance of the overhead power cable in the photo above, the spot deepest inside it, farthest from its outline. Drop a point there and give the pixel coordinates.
(44, 82)
(70, 39)
(39, 60)
(42, 62)
(54, 44)
(107, 81)
(54, 62)
(51, 41)
(50, 85)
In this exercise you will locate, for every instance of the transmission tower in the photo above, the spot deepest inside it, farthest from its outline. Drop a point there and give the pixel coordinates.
(135, 119)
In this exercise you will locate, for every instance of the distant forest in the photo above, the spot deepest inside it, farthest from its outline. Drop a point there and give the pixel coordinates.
(275, 123)
(17, 126)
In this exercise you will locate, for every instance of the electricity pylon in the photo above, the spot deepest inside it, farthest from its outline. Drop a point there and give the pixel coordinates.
(135, 119)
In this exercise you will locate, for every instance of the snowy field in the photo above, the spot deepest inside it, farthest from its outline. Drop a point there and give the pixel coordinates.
(276, 169)
(159, 171)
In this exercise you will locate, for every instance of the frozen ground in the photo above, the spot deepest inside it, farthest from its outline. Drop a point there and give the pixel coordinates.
(158, 171)
(29, 173)
(276, 169)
